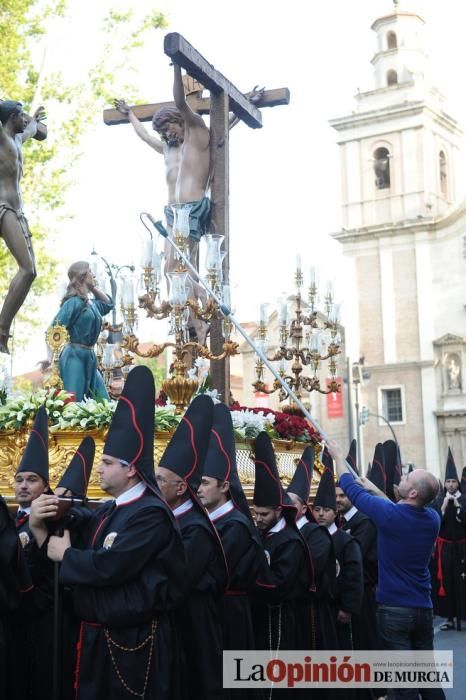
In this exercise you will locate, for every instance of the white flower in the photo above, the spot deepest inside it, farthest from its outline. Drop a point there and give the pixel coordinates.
(200, 363)
(214, 395)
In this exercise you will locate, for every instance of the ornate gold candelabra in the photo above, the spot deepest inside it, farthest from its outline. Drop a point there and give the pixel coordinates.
(56, 338)
(180, 309)
(302, 343)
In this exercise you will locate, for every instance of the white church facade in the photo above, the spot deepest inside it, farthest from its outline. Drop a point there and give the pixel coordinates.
(404, 239)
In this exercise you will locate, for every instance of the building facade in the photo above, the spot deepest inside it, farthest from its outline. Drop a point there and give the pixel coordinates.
(404, 239)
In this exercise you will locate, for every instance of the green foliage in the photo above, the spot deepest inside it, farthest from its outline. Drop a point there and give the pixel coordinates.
(72, 109)
(66, 414)
(158, 372)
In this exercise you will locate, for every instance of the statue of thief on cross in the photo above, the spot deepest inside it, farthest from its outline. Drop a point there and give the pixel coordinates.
(15, 128)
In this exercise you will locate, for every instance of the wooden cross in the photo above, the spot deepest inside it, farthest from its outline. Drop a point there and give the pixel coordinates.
(224, 98)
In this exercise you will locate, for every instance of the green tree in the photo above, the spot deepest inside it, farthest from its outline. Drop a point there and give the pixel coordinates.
(73, 108)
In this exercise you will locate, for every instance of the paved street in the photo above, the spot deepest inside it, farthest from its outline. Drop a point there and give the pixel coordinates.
(456, 641)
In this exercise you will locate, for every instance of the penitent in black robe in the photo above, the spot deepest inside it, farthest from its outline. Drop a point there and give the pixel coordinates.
(449, 565)
(31, 631)
(364, 625)
(246, 559)
(350, 582)
(125, 586)
(199, 617)
(320, 545)
(280, 601)
(15, 586)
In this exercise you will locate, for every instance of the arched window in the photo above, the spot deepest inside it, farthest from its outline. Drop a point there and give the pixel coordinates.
(382, 168)
(392, 42)
(392, 77)
(442, 161)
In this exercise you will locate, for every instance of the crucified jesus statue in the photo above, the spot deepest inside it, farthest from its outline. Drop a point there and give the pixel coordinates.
(184, 142)
(15, 128)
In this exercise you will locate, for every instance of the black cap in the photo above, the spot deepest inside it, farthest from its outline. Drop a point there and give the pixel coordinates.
(300, 484)
(326, 495)
(187, 449)
(392, 461)
(131, 434)
(220, 461)
(76, 476)
(35, 457)
(352, 456)
(377, 472)
(268, 489)
(450, 469)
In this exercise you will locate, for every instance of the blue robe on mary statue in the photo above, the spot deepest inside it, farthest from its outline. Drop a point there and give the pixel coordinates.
(78, 363)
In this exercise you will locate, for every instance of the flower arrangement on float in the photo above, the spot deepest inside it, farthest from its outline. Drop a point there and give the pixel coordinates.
(95, 414)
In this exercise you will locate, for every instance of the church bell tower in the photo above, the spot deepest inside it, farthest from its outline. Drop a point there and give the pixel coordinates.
(399, 149)
(400, 156)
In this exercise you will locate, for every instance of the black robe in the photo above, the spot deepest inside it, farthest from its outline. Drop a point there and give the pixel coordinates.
(15, 587)
(350, 583)
(125, 585)
(320, 545)
(364, 625)
(246, 559)
(281, 597)
(449, 565)
(199, 617)
(31, 630)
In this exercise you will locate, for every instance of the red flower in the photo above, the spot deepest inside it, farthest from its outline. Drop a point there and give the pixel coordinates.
(161, 399)
(287, 426)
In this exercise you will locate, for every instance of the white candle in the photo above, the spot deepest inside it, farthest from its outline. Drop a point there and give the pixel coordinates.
(128, 291)
(226, 295)
(156, 261)
(263, 314)
(283, 315)
(147, 249)
(108, 358)
(312, 275)
(298, 263)
(314, 342)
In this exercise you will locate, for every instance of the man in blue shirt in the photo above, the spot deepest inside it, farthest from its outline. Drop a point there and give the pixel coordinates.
(406, 534)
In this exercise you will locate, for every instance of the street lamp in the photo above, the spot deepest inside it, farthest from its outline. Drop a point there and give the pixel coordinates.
(364, 415)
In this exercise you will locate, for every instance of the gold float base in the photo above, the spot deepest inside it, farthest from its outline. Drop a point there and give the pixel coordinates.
(64, 443)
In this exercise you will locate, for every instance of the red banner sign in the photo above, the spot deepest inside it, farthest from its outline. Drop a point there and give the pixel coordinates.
(335, 401)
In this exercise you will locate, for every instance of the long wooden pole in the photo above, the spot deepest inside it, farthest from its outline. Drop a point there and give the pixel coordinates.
(228, 314)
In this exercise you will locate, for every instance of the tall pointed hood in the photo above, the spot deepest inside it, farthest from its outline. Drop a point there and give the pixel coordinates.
(326, 495)
(130, 437)
(300, 484)
(352, 456)
(377, 472)
(268, 489)
(450, 468)
(78, 472)
(220, 461)
(392, 461)
(35, 457)
(186, 452)
(463, 480)
(187, 449)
